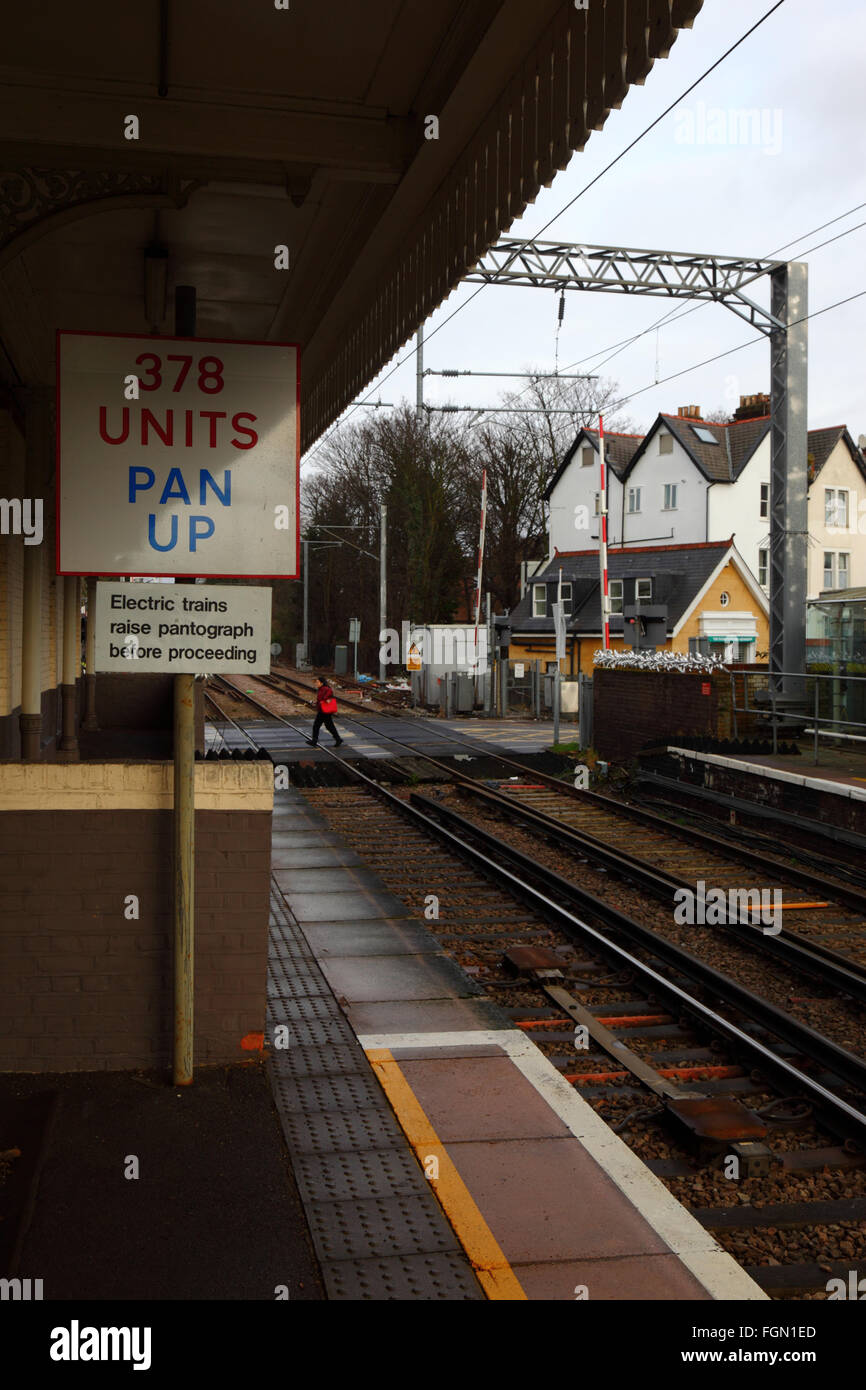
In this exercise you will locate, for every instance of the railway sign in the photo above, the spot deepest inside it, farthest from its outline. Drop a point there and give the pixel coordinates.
(177, 457)
(224, 627)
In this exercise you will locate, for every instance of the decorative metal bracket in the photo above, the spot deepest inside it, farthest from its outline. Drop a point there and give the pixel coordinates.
(35, 201)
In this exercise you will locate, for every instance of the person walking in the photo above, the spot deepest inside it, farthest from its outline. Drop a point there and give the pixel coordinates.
(326, 708)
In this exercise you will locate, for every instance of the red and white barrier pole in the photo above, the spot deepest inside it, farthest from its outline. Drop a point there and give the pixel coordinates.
(480, 563)
(602, 539)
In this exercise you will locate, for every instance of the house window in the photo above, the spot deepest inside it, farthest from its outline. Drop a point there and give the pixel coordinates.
(634, 499)
(765, 499)
(835, 506)
(843, 568)
(666, 443)
(539, 600)
(763, 568)
(614, 589)
(829, 570)
(837, 569)
(587, 456)
(670, 497)
(699, 646)
(566, 599)
(643, 590)
(746, 651)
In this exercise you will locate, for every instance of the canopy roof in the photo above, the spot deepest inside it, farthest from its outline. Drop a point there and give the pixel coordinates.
(306, 127)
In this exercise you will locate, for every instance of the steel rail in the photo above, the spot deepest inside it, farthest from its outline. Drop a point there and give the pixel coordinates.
(791, 948)
(843, 1064)
(796, 951)
(841, 1117)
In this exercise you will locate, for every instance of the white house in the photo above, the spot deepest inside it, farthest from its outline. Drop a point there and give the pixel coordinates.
(690, 481)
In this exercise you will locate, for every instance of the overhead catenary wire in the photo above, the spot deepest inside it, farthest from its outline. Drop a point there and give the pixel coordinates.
(460, 307)
(695, 366)
(678, 313)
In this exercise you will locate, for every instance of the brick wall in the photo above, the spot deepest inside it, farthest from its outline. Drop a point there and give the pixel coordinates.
(634, 710)
(85, 988)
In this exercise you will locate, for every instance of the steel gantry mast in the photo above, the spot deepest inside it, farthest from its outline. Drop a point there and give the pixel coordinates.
(558, 265)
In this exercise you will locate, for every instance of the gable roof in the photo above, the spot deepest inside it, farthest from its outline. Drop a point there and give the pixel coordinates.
(678, 572)
(823, 442)
(722, 462)
(618, 451)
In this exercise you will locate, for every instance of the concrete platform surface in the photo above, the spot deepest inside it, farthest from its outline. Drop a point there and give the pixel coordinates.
(214, 1212)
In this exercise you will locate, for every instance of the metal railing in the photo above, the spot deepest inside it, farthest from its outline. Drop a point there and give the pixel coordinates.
(842, 693)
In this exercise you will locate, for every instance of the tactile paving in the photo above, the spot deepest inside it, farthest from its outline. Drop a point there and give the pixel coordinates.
(425, 1277)
(309, 1060)
(352, 1176)
(327, 1131)
(357, 1091)
(378, 1229)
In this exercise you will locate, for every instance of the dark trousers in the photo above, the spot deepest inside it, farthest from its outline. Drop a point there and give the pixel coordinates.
(328, 721)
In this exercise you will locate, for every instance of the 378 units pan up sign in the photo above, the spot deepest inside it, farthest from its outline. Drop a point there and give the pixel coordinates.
(177, 456)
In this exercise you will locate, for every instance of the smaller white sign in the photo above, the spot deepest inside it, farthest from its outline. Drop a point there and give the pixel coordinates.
(184, 628)
(518, 671)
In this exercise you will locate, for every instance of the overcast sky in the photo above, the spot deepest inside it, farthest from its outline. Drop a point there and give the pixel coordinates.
(683, 189)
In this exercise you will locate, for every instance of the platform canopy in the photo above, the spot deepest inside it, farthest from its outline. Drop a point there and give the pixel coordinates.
(305, 126)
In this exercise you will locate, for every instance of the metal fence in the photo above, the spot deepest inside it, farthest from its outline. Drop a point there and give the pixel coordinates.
(827, 702)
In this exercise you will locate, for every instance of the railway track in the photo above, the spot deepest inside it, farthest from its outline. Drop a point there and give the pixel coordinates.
(802, 863)
(693, 1067)
(824, 941)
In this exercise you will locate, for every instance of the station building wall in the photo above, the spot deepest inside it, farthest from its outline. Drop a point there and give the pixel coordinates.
(87, 987)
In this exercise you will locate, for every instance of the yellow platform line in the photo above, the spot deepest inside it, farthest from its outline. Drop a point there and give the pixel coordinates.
(495, 1274)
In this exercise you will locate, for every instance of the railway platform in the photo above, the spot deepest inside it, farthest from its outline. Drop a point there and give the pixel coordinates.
(786, 787)
(438, 1153)
(840, 772)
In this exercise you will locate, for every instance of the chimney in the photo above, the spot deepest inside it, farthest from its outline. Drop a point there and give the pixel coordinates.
(753, 406)
(689, 412)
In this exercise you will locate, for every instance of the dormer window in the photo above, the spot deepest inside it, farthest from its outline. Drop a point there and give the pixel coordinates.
(539, 600)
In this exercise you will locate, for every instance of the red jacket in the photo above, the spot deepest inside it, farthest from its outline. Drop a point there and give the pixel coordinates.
(324, 692)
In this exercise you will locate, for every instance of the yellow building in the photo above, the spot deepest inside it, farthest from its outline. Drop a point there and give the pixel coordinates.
(712, 602)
